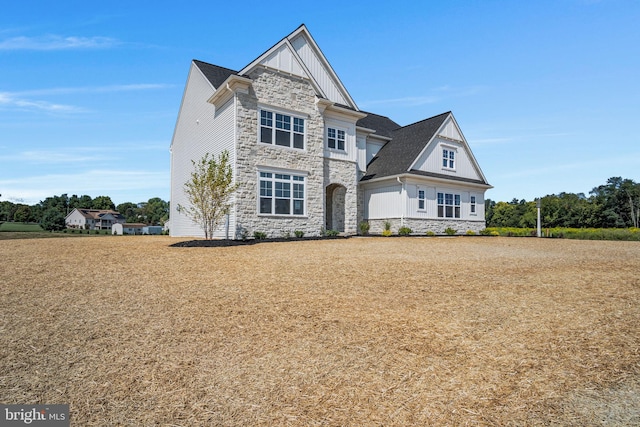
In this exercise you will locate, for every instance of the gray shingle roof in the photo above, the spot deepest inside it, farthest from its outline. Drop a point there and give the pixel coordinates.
(382, 125)
(215, 74)
(397, 155)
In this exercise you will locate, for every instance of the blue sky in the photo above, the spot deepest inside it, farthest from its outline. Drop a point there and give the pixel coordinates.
(547, 93)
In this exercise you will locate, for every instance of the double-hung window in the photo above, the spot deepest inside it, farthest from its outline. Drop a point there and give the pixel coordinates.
(336, 139)
(473, 205)
(448, 158)
(281, 194)
(448, 205)
(421, 200)
(281, 129)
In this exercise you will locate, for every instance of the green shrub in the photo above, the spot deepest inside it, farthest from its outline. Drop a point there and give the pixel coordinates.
(386, 233)
(331, 233)
(430, 233)
(259, 235)
(387, 225)
(450, 231)
(404, 231)
(299, 234)
(470, 233)
(364, 228)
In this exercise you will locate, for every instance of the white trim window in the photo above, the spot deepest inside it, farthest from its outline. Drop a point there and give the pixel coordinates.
(472, 205)
(421, 199)
(448, 159)
(281, 194)
(448, 205)
(336, 139)
(281, 129)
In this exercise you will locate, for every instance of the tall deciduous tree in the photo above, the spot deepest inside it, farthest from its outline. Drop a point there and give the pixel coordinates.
(52, 220)
(103, 202)
(209, 192)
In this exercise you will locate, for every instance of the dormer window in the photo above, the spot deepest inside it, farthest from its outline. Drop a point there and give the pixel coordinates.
(336, 139)
(448, 159)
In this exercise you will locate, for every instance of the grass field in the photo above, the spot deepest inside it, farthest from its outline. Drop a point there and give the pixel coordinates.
(20, 227)
(362, 331)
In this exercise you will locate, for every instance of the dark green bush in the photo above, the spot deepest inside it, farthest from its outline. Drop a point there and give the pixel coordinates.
(404, 231)
(364, 228)
(450, 231)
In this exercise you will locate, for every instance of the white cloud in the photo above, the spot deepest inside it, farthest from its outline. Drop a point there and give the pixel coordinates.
(8, 100)
(89, 89)
(22, 99)
(56, 42)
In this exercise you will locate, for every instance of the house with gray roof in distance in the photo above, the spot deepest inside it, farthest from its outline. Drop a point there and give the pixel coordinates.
(93, 219)
(307, 158)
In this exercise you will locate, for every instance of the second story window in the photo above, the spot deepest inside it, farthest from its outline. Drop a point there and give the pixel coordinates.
(448, 159)
(281, 129)
(336, 139)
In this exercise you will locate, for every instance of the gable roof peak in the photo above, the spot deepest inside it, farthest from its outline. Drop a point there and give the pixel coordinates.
(441, 116)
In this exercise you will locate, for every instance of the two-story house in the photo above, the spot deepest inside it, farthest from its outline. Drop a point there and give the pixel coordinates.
(93, 219)
(307, 158)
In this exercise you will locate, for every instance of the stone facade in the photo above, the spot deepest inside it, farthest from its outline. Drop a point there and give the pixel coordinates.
(421, 226)
(340, 182)
(272, 89)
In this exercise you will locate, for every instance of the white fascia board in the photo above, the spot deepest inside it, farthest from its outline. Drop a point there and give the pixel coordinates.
(340, 112)
(464, 140)
(284, 42)
(231, 85)
(371, 133)
(411, 166)
(326, 63)
(436, 180)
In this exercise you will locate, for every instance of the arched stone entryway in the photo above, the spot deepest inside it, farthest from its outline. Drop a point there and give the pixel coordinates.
(335, 207)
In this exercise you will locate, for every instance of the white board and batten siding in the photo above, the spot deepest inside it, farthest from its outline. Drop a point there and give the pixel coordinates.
(283, 59)
(431, 159)
(201, 128)
(318, 70)
(350, 152)
(449, 138)
(431, 200)
(383, 201)
(393, 200)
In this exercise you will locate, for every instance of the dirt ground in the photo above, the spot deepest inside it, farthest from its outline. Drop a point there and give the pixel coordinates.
(360, 331)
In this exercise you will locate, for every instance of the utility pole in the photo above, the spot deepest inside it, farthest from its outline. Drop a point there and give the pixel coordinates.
(539, 224)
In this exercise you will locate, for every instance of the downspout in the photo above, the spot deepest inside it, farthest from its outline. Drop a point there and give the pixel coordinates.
(403, 193)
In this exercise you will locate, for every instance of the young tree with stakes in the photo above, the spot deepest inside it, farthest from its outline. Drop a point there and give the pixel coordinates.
(209, 192)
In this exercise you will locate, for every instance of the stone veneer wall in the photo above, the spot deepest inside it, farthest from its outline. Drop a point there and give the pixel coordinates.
(344, 173)
(421, 226)
(295, 94)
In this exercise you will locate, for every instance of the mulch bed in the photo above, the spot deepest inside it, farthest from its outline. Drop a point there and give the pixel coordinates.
(224, 243)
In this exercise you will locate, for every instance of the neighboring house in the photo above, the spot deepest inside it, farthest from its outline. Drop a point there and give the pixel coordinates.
(128, 228)
(307, 158)
(93, 219)
(152, 229)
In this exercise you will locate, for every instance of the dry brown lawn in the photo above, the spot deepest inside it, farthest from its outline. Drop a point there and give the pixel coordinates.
(363, 331)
